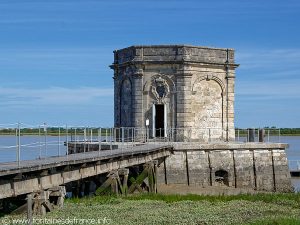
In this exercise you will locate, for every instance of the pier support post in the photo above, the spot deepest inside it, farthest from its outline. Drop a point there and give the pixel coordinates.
(123, 185)
(117, 180)
(150, 170)
(29, 209)
(116, 183)
(39, 203)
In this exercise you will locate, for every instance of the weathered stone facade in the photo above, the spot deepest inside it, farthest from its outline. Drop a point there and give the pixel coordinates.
(187, 92)
(249, 166)
(176, 86)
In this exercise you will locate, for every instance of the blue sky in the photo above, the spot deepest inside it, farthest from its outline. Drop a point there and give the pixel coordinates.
(54, 54)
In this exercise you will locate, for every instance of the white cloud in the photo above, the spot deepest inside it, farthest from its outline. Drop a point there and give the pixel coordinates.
(268, 90)
(274, 58)
(268, 74)
(53, 96)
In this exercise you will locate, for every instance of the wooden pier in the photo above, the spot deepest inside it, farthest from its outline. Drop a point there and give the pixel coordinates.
(46, 177)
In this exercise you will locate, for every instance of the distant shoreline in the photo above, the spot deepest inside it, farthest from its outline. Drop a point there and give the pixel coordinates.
(54, 131)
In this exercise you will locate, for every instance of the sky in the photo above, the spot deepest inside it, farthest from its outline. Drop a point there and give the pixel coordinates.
(55, 54)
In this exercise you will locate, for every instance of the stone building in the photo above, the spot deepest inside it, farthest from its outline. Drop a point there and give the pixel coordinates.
(184, 89)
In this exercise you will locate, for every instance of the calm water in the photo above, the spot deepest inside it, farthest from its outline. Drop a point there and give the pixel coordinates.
(34, 147)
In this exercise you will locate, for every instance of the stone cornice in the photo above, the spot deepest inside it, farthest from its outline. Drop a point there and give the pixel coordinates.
(228, 146)
(186, 62)
(172, 46)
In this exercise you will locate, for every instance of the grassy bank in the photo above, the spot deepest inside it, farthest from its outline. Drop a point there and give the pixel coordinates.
(188, 209)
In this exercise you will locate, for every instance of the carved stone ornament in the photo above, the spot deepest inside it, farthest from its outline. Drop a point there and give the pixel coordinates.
(160, 89)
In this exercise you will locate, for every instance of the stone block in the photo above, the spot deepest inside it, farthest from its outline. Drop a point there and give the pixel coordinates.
(176, 168)
(198, 166)
(26, 186)
(264, 170)
(69, 176)
(6, 190)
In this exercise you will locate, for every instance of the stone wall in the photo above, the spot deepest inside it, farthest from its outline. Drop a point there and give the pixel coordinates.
(255, 166)
(195, 84)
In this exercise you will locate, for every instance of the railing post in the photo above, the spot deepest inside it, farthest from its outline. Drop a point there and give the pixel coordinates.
(88, 145)
(59, 141)
(18, 135)
(127, 137)
(84, 146)
(132, 136)
(122, 138)
(75, 146)
(45, 135)
(115, 134)
(147, 134)
(261, 137)
(67, 140)
(99, 140)
(91, 134)
(106, 135)
(111, 138)
(71, 134)
(40, 143)
(248, 135)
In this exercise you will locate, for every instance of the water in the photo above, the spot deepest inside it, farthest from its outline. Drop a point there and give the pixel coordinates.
(293, 153)
(34, 147)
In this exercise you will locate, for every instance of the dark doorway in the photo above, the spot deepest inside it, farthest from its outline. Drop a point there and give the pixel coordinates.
(159, 120)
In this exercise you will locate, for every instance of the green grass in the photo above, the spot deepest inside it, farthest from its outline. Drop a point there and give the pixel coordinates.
(272, 197)
(290, 199)
(151, 209)
(280, 221)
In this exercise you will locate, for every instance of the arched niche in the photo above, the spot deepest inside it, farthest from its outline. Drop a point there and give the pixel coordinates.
(207, 108)
(125, 94)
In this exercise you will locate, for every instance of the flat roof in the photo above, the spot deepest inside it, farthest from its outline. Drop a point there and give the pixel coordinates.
(174, 45)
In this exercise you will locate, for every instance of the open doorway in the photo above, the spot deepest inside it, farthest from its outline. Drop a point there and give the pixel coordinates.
(159, 120)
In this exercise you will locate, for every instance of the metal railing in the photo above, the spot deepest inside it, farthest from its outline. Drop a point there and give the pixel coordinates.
(26, 142)
(268, 134)
(294, 165)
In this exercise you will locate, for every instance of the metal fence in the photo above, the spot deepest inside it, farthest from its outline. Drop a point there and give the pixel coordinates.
(268, 134)
(26, 142)
(294, 165)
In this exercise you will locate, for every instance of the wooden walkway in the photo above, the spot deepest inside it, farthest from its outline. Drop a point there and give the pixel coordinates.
(43, 174)
(56, 161)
